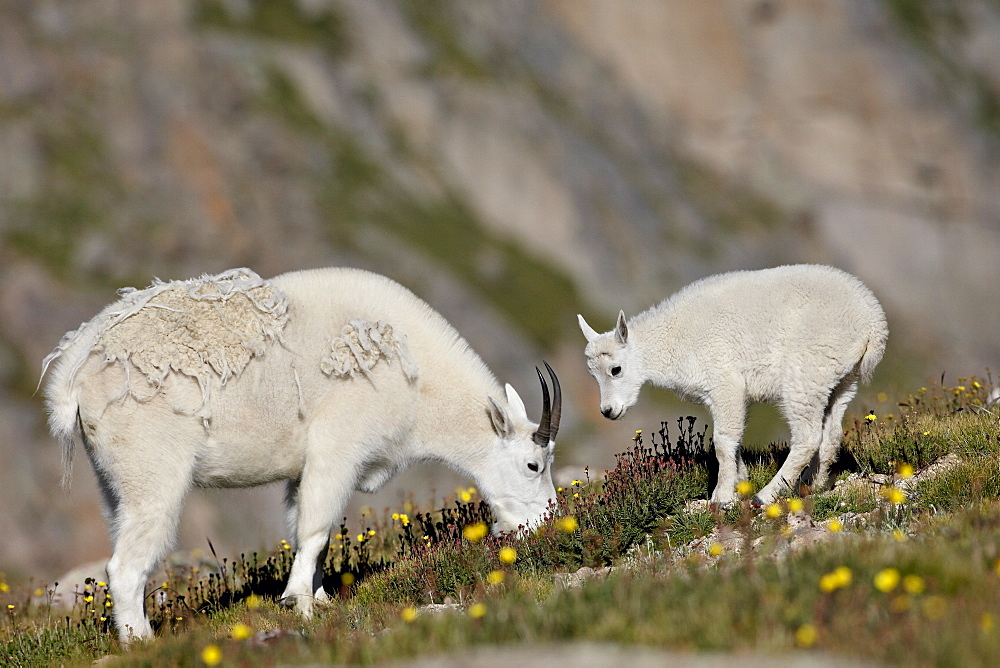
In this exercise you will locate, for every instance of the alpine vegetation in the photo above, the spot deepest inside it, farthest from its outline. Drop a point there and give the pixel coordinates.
(800, 336)
(331, 379)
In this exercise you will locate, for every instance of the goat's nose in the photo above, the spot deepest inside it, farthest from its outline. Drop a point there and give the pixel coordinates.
(606, 412)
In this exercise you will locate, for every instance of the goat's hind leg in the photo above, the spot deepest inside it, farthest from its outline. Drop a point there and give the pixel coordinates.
(833, 429)
(806, 423)
(148, 498)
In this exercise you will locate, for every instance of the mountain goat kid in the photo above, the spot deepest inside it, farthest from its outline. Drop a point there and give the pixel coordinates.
(800, 336)
(331, 379)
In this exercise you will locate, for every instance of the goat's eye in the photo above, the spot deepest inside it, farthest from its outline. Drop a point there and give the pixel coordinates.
(533, 466)
(616, 371)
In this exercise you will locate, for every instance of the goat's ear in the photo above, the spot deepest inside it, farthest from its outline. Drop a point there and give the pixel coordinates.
(515, 404)
(621, 329)
(501, 421)
(588, 331)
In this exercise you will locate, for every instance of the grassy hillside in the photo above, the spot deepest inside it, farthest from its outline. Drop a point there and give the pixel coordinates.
(899, 563)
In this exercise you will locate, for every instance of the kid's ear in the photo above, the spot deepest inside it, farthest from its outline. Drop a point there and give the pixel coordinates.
(621, 329)
(501, 421)
(588, 331)
(515, 404)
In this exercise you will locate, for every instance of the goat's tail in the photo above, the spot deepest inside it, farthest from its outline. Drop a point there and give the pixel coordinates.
(873, 350)
(62, 394)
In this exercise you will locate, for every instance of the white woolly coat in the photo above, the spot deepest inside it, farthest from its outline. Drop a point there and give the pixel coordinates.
(264, 406)
(332, 379)
(799, 336)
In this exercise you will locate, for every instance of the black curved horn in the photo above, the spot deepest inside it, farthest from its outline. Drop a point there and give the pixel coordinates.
(556, 403)
(541, 436)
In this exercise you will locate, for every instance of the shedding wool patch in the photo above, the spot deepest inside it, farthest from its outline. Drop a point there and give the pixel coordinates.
(361, 345)
(204, 328)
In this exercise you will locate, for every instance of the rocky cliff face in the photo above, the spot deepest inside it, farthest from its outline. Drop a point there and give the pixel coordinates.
(513, 163)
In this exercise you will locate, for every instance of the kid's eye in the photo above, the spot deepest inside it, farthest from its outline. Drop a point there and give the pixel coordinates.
(533, 466)
(616, 371)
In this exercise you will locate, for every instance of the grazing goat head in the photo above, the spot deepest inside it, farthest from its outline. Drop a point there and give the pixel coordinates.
(520, 486)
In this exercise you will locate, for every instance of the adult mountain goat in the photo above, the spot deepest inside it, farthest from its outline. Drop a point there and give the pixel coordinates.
(331, 379)
(799, 336)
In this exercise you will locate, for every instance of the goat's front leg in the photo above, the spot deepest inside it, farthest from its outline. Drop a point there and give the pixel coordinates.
(319, 498)
(728, 421)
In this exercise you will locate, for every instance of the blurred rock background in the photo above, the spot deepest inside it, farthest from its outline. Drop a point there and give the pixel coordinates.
(513, 163)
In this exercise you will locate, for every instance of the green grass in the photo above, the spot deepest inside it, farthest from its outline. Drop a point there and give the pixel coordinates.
(915, 580)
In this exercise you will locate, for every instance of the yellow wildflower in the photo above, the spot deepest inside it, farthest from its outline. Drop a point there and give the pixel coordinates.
(886, 580)
(805, 635)
(477, 610)
(241, 631)
(716, 549)
(408, 614)
(211, 655)
(4, 587)
(913, 584)
(743, 488)
(347, 579)
(567, 524)
(905, 471)
(871, 417)
(773, 511)
(254, 601)
(894, 495)
(475, 532)
(835, 526)
(899, 535)
(838, 578)
(507, 555)
(496, 577)
(795, 505)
